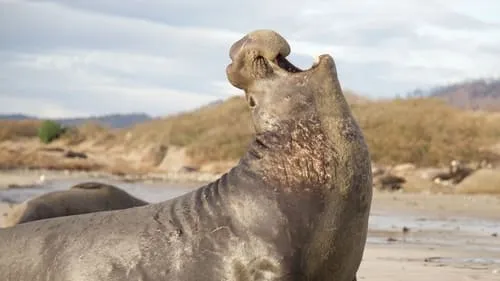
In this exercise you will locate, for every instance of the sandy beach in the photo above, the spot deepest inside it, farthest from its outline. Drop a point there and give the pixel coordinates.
(413, 236)
(408, 263)
(448, 237)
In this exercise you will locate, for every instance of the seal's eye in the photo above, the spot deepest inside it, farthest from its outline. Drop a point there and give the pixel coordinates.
(251, 102)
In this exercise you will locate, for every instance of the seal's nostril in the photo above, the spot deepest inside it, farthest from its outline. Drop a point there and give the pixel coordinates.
(251, 102)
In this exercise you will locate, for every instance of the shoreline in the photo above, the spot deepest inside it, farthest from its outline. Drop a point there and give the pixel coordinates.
(25, 178)
(34, 177)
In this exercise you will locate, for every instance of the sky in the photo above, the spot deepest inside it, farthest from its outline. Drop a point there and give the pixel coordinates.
(73, 58)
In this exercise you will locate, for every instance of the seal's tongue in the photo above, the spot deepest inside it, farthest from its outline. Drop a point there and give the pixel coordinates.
(268, 43)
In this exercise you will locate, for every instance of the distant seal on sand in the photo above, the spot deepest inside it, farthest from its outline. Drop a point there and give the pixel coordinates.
(295, 207)
(457, 172)
(81, 198)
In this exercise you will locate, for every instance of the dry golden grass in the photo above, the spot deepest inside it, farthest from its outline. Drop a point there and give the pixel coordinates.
(424, 131)
(212, 133)
(14, 129)
(93, 131)
(17, 129)
(421, 131)
(11, 159)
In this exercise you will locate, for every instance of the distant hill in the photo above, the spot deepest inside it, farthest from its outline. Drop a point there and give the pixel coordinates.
(116, 121)
(478, 94)
(15, 117)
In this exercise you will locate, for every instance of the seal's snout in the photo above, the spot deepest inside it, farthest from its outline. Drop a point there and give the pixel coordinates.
(237, 46)
(255, 55)
(268, 43)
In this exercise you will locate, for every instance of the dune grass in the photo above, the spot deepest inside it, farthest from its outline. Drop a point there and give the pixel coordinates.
(212, 133)
(422, 131)
(12, 159)
(89, 131)
(18, 129)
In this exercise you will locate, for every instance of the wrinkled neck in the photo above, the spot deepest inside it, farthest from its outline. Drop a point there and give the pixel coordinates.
(344, 134)
(336, 116)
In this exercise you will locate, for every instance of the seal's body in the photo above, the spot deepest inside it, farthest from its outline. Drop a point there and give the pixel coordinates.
(294, 208)
(87, 197)
(223, 231)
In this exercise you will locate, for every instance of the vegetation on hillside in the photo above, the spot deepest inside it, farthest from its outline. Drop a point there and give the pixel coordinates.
(89, 131)
(423, 131)
(49, 130)
(14, 130)
(216, 132)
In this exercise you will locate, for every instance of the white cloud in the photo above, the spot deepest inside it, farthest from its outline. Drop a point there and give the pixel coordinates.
(100, 80)
(157, 101)
(94, 57)
(224, 89)
(38, 107)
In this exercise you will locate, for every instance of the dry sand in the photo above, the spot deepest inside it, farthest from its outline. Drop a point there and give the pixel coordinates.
(449, 237)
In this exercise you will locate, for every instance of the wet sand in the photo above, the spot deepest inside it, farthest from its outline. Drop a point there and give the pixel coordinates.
(412, 236)
(446, 237)
(418, 263)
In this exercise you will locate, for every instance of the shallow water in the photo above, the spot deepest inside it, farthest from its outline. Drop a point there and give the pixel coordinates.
(150, 192)
(482, 263)
(469, 233)
(385, 220)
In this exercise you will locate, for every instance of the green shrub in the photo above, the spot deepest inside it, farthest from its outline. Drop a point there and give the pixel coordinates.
(49, 131)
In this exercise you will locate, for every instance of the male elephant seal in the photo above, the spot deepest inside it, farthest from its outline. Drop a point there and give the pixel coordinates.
(295, 207)
(81, 198)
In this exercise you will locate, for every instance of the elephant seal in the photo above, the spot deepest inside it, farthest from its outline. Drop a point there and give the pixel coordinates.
(295, 207)
(457, 172)
(87, 197)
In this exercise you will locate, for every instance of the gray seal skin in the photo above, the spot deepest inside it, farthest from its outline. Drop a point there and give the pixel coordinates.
(295, 207)
(87, 197)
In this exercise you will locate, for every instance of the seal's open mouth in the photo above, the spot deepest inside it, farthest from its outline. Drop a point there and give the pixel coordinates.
(284, 64)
